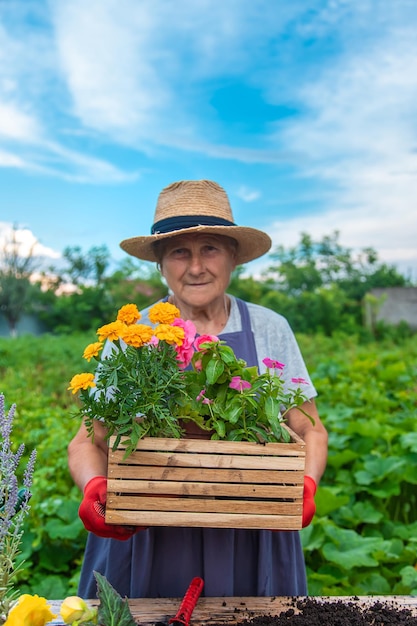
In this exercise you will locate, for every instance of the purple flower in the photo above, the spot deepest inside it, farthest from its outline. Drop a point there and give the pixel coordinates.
(14, 501)
(239, 384)
(273, 364)
(299, 381)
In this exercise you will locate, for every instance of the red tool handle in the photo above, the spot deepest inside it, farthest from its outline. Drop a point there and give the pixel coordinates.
(188, 603)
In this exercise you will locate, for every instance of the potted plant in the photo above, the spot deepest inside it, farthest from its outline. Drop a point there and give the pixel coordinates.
(153, 379)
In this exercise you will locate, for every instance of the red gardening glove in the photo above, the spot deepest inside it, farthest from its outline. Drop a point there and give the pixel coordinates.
(92, 510)
(309, 506)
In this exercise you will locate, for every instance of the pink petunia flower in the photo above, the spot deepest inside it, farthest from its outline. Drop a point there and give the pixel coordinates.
(299, 381)
(202, 398)
(186, 350)
(239, 384)
(204, 339)
(273, 364)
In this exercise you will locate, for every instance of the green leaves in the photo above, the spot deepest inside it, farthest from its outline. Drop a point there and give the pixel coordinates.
(237, 402)
(113, 609)
(348, 549)
(214, 369)
(363, 537)
(368, 407)
(136, 394)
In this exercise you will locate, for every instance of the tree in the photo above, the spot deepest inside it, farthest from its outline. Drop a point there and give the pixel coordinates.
(89, 267)
(135, 281)
(16, 268)
(98, 297)
(325, 283)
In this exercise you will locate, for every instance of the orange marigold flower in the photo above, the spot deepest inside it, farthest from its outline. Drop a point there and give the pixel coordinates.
(137, 335)
(92, 350)
(81, 381)
(129, 314)
(170, 334)
(163, 313)
(111, 331)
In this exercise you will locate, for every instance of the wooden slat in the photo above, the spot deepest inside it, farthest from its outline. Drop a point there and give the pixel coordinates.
(195, 505)
(272, 492)
(295, 447)
(196, 520)
(149, 611)
(226, 461)
(273, 477)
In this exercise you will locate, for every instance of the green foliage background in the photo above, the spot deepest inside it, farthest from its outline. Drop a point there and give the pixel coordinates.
(363, 539)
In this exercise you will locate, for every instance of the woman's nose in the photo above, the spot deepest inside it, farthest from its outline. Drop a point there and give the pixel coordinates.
(196, 265)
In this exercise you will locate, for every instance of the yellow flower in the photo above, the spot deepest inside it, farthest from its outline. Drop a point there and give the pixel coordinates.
(129, 314)
(170, 334)
(92, 350)
(81, 381)
(30, 611)
(75, 609)
(111, 331)
(137, 335)
(163, 313)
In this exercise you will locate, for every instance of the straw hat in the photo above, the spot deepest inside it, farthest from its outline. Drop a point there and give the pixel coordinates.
(197, 206)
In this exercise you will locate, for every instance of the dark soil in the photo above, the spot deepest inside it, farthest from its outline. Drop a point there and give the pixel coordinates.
(311, 612)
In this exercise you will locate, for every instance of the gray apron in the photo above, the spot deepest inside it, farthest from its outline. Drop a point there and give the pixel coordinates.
(160, 562)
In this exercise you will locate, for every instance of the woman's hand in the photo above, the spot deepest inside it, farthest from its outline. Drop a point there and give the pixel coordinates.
(92, 512)
(309, 506)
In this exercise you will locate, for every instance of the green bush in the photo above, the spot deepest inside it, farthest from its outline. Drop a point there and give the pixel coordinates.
(363, 538)
(34, 373)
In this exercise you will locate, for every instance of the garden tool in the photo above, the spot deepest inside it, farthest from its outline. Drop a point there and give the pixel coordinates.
(23, 495)
(183, 616)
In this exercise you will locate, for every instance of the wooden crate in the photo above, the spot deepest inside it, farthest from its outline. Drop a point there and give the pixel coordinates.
(204, 483)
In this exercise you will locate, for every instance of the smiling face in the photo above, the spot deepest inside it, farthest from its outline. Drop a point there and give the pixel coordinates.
(197, 268)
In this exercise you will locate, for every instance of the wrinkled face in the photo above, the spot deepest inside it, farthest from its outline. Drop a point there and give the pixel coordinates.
(197, 267)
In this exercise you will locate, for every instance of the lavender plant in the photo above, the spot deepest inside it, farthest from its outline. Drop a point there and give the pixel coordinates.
(14, 506)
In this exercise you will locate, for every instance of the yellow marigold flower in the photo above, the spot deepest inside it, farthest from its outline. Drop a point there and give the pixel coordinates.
(30, 611)
(111, 331)
(137, 335)
(75, 609)
(129, 314)
(81, 381)
(170, 334)
(163, 313)
(92, 350)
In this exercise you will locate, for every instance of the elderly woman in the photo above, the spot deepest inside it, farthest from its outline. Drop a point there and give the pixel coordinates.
(197, 245)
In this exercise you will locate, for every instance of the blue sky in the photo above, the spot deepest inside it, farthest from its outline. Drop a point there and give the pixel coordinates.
(304, 110)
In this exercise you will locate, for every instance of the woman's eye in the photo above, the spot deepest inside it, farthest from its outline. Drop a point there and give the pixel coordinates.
(210, 249)
(179, 252)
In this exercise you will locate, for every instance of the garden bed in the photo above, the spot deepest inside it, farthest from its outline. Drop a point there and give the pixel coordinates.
(279, 611)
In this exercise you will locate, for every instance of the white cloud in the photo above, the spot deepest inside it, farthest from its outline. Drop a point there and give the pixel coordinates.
(26, 242)
(358, 135)
(16, 124)
(113, 85)
(131, 73)
(34, 111)
(8, 159)
(248, 195)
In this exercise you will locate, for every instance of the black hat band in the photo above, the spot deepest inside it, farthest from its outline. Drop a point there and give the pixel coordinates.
(171, 224)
